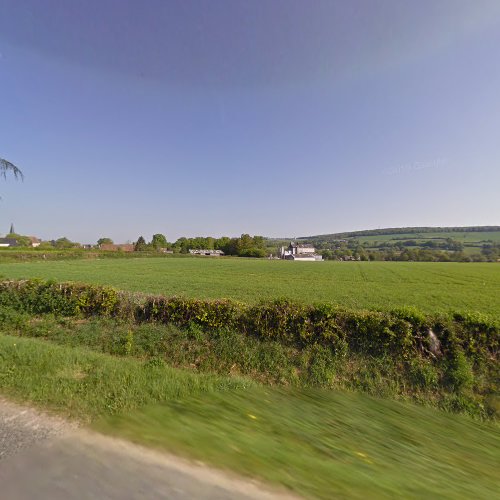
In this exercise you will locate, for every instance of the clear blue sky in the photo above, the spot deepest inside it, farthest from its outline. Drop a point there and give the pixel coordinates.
(275, 117)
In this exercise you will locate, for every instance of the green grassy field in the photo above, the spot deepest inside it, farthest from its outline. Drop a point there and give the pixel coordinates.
(432, 287)
(463, 237)
(318, 443)
(472, 241)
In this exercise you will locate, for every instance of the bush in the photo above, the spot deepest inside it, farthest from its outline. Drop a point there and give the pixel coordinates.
(65, 299)
(321, 367)
(459, 374)
(422, 373)
(182, 311)
(278, 341)
(466, 339)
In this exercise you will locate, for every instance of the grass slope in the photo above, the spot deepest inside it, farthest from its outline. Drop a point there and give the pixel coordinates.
(486, 234)
(318, 443)
(472, 241)
(326, 444)
(84, 384)
(228, 353)
(432, 287)
(465, 238)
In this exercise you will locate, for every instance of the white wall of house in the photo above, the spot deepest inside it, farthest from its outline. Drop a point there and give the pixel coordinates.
(306, 250)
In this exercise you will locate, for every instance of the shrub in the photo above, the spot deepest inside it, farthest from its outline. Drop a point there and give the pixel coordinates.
(464, 338)
(65, 299)
(422, 373)
(321, 367)
(183, 311)
(459, 374)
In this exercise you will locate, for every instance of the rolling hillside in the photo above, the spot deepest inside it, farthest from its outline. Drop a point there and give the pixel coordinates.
(471, 237)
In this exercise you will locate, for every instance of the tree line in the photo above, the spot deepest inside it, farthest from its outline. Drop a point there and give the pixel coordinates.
(243, 246)
(488, 253)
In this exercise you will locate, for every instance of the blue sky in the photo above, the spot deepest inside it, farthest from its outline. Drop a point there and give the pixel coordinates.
(281, 118)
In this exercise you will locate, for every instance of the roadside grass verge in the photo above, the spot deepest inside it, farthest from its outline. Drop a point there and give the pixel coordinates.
(83, 384)
(228, 353)
(319, 443)
(325, 444)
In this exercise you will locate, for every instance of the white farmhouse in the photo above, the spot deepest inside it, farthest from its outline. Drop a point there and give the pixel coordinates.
(302, 253)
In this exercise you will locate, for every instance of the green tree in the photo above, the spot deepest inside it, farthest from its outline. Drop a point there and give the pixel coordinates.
(258, 242)
(181, 245)
(159, 241)
(140, 245)
(104, 241)
(222, 242)
(22, 241)
(64, 242)
(245, 242)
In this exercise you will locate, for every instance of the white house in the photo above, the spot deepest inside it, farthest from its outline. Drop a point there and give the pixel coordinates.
(303, 253)
(208, 253)
(35, 242)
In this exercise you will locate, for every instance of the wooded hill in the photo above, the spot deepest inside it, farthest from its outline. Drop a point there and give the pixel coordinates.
(404, 231)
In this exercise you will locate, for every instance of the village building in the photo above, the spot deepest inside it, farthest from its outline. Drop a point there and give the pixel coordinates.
(208, 253)
(298, 252)
(35, 242)
(11, 240)
(8, 242)
(111, 247)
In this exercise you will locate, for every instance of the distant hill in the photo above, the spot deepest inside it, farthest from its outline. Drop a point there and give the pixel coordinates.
(470, 240)
(404, 231)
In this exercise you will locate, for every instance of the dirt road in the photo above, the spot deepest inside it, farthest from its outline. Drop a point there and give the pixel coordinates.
(47, 458)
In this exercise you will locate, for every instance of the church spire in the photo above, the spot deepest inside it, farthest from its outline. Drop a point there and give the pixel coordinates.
(11, 228)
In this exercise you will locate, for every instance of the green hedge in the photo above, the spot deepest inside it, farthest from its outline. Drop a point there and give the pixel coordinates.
(183, 311)
(66, 299)
(400, 333)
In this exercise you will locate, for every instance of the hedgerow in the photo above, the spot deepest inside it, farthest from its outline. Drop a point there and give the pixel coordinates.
(401, 333)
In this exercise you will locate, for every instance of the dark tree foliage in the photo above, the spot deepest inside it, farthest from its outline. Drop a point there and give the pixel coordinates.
(104, 241)
(140, 244)
(159, 241)
(244, 246)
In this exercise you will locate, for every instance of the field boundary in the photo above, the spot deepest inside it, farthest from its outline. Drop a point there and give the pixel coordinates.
(400, 331)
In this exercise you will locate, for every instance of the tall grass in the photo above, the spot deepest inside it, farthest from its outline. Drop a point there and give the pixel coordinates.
(456, 386)
(85, 384)
(326, 444)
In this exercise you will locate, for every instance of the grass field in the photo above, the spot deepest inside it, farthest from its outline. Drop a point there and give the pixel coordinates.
(473, 237)
(462, 236)
(318, 443)
(432, 287)
(472, 241)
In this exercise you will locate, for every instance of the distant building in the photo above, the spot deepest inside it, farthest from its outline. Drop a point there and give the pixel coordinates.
(35, 242)
(8, 242)
(208, 253)
(111, 247)
(304, 253)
